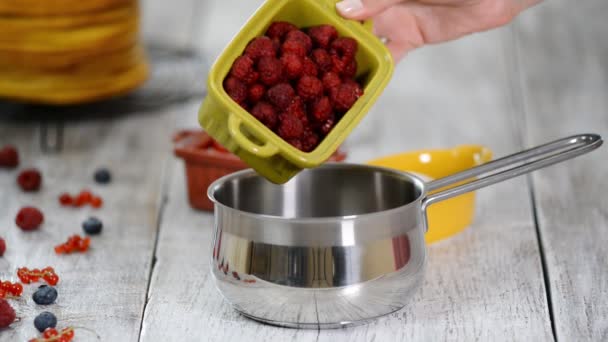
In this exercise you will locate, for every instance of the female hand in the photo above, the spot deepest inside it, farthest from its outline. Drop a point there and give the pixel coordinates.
(409, 24)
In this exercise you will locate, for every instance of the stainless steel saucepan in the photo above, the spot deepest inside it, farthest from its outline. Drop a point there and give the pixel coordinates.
(342, 243)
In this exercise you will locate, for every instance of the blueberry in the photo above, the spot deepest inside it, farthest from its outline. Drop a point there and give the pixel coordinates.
(45, 295)
(92, 226)
(103, 176)
(45, 320)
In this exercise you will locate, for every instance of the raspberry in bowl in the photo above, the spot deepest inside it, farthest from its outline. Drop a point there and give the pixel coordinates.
(291, 86)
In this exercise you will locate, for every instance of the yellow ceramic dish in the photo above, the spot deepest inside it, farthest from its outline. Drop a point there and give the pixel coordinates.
(249, 139)
(451, 216)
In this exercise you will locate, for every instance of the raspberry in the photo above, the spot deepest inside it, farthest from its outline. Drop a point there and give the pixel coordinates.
(2, 246)
(296, 108)
(7, 314)
(242, 68)
(292, 65)
(256, 92)
(322, 59)
(29, 218)
(309, 87)
(309, 67)
(309, 141)
(9, 157)
(279, 29)
(345, 96)
(343, 51)
(266, 113)
(290, 127)
(350, 69)
(328, 125)
(260, 47)
(322, 35)
(344, 47)
(235, 89)
(321, 110)
(281, 95)
(331, 80)
(296, 143)
(294, 47)
(299, 36)
(271, 70)
(29, 180)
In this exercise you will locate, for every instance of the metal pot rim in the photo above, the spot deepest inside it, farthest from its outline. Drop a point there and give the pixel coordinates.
(406, 176)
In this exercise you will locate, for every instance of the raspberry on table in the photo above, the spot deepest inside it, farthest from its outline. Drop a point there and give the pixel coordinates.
(309, 87)
(331, 80)
(256, 92)
(290, 127)
(9, 157)
(322, 35)
(7, 314)
(236, 89)
(281, 95)
(260, 47)
(309, 67)
(321, 110)
(29, 218)
(345, 96)
(265, 113)
(292, 65)
(2, 246)
(29, 180)
(322, 59)
(271, 70)
(279, 29)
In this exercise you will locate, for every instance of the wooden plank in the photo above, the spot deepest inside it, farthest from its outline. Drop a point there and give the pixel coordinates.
(484, 284)
(563, 54)
(104, 289)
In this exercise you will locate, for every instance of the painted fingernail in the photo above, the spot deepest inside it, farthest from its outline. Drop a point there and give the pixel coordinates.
(349, 6)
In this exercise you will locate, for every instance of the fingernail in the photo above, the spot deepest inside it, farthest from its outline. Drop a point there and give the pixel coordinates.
(349, 6)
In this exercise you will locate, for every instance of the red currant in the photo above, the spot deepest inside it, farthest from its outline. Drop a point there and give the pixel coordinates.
(96, 202)
(66, 199)
(17, 289)
(6, 285)
(50, 332)
(51, 279)
(85, 196)
(2, 293)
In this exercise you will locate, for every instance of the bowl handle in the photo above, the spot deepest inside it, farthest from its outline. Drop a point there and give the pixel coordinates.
(508, 167)
(263, 151)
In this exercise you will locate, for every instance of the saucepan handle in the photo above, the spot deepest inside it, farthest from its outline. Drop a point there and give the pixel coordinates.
(510, 166)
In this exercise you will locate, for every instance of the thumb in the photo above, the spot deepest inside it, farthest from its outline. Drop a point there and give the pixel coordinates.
(363, 9)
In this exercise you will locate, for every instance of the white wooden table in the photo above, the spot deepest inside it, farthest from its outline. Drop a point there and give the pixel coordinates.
(533, 266)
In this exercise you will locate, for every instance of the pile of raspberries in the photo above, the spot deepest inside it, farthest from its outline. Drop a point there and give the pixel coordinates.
(298, 83)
